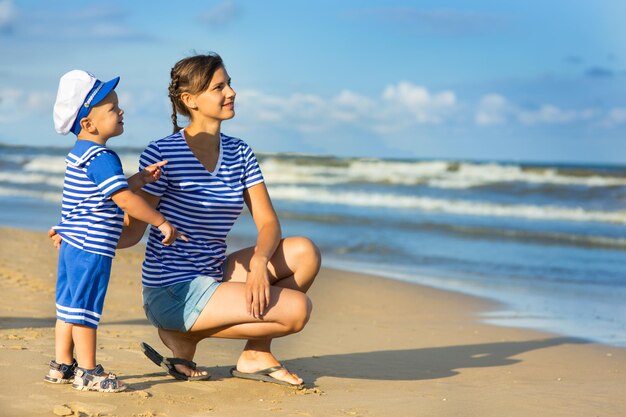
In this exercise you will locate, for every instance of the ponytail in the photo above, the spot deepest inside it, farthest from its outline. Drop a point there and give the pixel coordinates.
(174, 99)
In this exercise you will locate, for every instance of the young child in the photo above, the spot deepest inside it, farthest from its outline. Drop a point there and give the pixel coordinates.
(95, 195)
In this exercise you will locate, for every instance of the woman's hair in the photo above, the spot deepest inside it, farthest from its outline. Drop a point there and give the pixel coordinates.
(191, 75)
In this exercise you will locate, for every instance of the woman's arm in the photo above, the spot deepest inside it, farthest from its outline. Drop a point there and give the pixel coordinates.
(134, 229)
(269, 234)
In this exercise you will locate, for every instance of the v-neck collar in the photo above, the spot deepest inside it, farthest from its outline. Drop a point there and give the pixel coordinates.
(219, 158)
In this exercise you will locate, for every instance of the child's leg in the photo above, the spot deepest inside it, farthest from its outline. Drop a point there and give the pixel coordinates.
(85, 343)
(63, 342)
(62, 368)
(89, 376)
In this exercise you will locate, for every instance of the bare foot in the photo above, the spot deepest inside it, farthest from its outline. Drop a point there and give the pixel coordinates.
(253, 361)
(190, 371)
(182, 346)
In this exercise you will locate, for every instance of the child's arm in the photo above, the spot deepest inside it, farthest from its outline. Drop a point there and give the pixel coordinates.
(134, 229)
(149, 174)
(137, 207)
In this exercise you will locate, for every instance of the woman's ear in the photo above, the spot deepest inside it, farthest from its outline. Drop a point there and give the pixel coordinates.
(189, 101)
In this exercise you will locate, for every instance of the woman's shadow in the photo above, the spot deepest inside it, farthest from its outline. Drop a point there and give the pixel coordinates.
(405, 364)
(419, 363)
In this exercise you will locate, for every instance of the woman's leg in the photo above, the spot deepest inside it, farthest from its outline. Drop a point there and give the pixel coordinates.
(225, 316)
(293, 266)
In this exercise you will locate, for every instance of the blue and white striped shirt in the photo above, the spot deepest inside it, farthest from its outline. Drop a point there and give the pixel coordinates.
(90, 220)
(202, 205)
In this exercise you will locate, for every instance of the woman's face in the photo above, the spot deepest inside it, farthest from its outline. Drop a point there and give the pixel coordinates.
(218, 101)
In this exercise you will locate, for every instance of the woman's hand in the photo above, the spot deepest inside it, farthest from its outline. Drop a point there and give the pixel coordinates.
(257, 287)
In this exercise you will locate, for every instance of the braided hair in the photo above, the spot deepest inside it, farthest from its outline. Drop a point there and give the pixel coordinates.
(190, 75)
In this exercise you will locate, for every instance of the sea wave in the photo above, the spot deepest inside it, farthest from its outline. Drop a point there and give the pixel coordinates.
(538, 236)
(437, 174)
(451, 206)
(54, 197)
(292, 170)
(56, 164)
(32, 178)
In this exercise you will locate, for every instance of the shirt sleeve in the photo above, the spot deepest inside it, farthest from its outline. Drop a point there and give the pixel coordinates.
(152, 155)
(105, 170)
(252, 172)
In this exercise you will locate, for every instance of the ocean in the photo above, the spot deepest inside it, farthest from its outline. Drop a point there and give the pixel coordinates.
(546, 241)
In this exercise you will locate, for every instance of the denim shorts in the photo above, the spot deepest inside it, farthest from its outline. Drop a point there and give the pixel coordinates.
(177, 307)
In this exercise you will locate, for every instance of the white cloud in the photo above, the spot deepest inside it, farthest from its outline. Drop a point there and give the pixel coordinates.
(349, 106)
(614, 117)
(494, 109)
(146, 102)
(400, 106)
(39, 102)
(550, 114)
(16, 104)
(419, 102)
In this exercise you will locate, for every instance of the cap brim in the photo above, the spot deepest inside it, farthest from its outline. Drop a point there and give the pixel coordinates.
(104, 91)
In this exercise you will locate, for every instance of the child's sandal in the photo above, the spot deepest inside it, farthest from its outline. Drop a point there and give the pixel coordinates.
(67, 372)
(93, 380)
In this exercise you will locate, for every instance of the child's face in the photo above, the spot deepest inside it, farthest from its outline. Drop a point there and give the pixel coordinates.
(107, 117)
(218, 101)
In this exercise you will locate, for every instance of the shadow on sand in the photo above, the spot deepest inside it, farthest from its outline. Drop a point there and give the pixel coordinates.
(36, 323)
(420, 363)
(397, 365)
(387, 365)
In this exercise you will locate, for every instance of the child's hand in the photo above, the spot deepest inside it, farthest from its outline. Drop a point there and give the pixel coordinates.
(151, 173)
(170, 233)
(55, 237)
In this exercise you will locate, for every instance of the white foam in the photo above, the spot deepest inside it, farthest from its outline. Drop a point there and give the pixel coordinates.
(439, 174)
(54, 197)
(29, 178)
(50, 164)
(463, 207)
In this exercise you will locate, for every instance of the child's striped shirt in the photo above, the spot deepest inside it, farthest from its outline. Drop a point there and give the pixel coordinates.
(90, 220)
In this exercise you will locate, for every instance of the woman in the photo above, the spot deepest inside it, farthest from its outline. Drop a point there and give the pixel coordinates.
(191, 290)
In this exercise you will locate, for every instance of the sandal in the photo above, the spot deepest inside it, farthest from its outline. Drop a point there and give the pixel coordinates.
(168, 364)
(93, 380)
(66, 370)
(264, 375)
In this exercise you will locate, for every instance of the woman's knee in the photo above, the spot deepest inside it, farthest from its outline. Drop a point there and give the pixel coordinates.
(305, 251)
(300, 312)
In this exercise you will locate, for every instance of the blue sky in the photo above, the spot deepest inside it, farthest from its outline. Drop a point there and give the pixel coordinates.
(507, 80)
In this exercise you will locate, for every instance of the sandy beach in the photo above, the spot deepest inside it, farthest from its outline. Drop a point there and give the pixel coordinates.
(374, 347)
